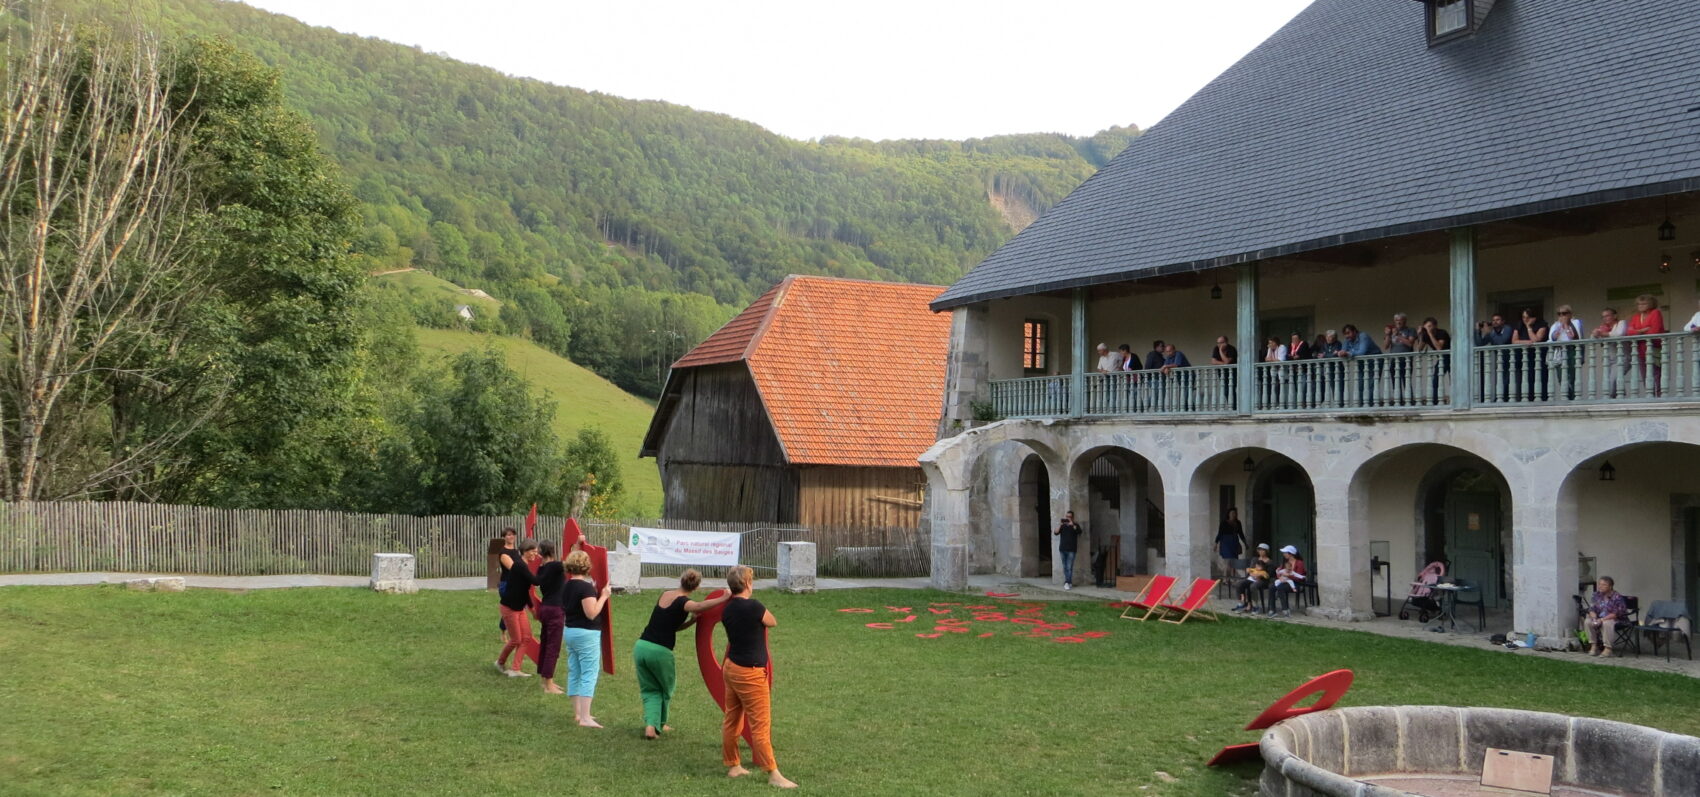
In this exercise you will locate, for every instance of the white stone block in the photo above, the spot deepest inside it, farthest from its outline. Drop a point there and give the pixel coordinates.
(157, 584)
(625, 572)
(797, 566)
(393, 572)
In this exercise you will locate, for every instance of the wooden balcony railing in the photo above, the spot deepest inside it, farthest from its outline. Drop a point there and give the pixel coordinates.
(1634, 369)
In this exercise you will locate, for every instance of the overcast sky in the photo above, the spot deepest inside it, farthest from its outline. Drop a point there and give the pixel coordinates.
(872, 68)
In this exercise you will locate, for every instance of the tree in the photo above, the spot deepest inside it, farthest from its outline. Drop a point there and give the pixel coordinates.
(590, 458)
(98, 268)
(484, 443)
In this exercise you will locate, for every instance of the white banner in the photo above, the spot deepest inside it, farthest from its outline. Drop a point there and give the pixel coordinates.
(669, 547)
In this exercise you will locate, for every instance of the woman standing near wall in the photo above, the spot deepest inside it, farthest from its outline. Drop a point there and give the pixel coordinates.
(583, 635)
(745, 673)
(653, 653)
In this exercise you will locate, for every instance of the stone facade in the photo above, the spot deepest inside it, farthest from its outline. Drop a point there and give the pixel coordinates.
(1364, 472)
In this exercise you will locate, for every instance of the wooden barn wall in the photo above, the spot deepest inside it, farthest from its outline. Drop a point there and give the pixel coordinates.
(719, 459)
(842, 496)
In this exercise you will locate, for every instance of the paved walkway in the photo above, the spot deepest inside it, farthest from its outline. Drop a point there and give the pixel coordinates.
(1030, 588)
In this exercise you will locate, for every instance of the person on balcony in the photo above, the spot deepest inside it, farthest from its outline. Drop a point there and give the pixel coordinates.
(1431, 338)
(1567, 329)
(1224, 353)
(1129, 382)
(1530, 330)
(1270, 385)
(1154, 358)
(1354, 345)
(1109, 362)
(1647, 320)
(1399, 338)
(1297, 348)
(1614, 361)
(1605, 611)
(1173, 358)
(1693, 324)
(1496, 333)
(1327, 347)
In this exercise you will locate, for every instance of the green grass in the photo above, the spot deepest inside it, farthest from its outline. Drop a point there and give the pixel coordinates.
(342, 691)
(424, 283)
(582, 399)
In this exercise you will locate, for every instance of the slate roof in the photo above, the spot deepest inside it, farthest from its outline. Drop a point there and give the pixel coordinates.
(851, 372)
(1345, 126)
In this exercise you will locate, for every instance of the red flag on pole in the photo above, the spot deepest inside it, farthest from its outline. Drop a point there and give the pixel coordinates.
(571, 536)
(531, 523)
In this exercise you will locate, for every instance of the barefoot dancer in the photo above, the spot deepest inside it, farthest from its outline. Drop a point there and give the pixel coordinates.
(653, 653)
(516, 597)
(552, 586)
(506, 559)
(583, 635)
(745, 669)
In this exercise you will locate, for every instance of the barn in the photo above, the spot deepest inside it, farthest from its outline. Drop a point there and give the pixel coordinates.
(811, 406)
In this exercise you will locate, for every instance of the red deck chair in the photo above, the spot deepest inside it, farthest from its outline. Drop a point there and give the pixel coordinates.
(1156, 591)
(1195, 601)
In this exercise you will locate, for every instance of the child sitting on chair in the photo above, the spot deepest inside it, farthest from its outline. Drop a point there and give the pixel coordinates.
(1256, 577)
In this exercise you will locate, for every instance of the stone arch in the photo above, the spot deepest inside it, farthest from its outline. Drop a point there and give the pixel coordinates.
(1213, 478)
(1114, 490)
(954, 467)
(1013, 500)
(1642, 527)
(1419, 501)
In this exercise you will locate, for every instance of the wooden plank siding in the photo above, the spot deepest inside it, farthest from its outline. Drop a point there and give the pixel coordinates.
(831, 495)
(720, 459)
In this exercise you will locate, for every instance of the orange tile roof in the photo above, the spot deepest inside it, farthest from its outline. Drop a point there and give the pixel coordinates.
(851, 371)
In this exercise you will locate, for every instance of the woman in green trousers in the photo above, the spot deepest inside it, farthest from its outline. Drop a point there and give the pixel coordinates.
(674, 612)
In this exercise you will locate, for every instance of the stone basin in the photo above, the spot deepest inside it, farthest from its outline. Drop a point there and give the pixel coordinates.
(1437, 751)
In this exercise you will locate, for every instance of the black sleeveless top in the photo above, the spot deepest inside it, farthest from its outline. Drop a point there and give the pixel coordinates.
(664, 622)
(746, 637)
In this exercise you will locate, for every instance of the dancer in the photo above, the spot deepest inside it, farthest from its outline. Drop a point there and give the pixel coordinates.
(516, 598)
(745, 671)
(653, 653)
(551, 585)
(508, 557)
(583, 635)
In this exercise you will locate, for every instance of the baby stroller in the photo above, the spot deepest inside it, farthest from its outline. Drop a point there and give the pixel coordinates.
(1422, 597)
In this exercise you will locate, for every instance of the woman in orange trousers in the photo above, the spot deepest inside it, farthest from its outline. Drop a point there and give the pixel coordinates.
(745, 671)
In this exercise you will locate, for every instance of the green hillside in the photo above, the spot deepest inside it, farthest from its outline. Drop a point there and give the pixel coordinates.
(429, 287)
(582, 399)
(615, 230)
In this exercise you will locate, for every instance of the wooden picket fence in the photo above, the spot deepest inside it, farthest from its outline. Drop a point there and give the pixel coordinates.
(167, 538)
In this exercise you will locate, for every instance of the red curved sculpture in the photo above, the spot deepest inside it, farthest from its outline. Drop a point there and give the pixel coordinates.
(713, 676)
(1331, 686)
(571, 536)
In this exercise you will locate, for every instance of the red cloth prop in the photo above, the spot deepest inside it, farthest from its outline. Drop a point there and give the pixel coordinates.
(531, 523)
(571, 536)
(712, 675)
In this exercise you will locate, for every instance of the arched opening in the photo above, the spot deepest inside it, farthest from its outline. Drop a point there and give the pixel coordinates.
(1427, 503)
(1283, 508)
(1275, 500)
(1034, 518)
(1641, 527)
(1118, 495)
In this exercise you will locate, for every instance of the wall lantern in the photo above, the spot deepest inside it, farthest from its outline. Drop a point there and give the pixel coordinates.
(1667, 231)
(1608, 473)
(1248, 465)
(1696, 255)
(1664, 264)
(1215, 291)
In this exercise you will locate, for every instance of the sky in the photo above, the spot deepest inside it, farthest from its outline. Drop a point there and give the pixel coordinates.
(872, 69)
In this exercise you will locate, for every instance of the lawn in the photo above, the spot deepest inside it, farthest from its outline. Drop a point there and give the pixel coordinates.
(342, 691)
(582, 399)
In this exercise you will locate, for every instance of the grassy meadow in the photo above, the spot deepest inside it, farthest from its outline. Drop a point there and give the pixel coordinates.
(343, 691)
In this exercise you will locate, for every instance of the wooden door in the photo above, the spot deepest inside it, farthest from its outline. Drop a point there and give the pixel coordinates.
(1691, 562)
(1472, 542)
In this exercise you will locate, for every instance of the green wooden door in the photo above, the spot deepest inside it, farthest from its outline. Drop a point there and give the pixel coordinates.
(1292, 513)
(1691, 561)
(1472, 542)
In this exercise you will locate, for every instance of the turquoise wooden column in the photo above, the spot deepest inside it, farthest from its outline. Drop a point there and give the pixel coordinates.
(1246, 296)
(1082, 350)
(1463, 317)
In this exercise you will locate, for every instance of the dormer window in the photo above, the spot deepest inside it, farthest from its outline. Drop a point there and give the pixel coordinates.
(1452, 19)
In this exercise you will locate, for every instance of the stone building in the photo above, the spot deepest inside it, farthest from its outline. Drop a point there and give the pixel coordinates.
(809, 407)
(1451, 159)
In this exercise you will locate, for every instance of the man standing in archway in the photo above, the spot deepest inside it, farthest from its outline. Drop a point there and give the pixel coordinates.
(1068, 535)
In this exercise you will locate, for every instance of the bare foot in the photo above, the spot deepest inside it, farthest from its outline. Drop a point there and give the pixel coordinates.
(666, 729)
(589, 723)
(649, 732)
(554, 690)
(737, 772)
(779, 781)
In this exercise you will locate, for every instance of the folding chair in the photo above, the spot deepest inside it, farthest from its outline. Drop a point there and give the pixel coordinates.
(1195, 601)
(1155, 592)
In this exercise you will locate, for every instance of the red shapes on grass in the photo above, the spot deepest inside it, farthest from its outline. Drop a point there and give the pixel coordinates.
(1094, 634)
(1071, 614)
(987, 634)
(857, 611)
(1027, 620)
(992, 617)
(951, 629)
(939, 611)
(1057, 626)
(882, 626)
(1003, 594)
(953, 621)
(982, 608)
(900, 609)
(1072, 640)
(945, 603)
(909, 619)
(929, 636)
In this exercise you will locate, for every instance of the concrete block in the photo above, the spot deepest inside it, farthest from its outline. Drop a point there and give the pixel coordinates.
(393, 573)
(1372, 739)
(1616, 757)
(156, 584)
(797, 567)
(949, 569)
(1431, 739)
(1523, 731)
(1679, 765)
(625, 572)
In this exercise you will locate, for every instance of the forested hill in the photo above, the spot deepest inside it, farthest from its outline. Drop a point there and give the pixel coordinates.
(619, 232)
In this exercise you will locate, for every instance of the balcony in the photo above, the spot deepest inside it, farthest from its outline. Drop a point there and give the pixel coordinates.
(1628, 370)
